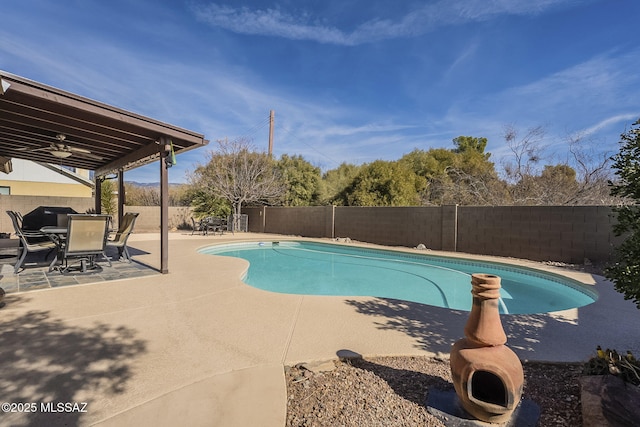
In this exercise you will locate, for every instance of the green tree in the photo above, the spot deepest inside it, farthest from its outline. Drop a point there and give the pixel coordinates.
(471, 144)
(384, 183)
(433, 166)
(625, 272)
(462, 175)
(204, 204)
(335, 181)
(301, 179)
(429, 164)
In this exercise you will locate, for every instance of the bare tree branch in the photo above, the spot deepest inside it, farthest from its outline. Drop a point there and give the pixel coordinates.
(240, 175)
(527, 151)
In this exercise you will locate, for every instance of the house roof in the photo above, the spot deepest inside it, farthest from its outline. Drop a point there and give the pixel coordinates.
(28, 171)
(69, 174)
(102, 138)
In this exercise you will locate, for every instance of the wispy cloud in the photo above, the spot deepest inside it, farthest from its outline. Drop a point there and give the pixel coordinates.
(463, 57)
(592, 79)
(609, 121)
(278, 23)
(367, 129)
(577, 97)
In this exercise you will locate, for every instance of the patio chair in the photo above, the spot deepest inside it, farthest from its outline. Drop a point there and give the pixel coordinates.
(198, 226)
(215, 224)
(30, 241)
(86, 239)
(122, 235)
(209, 223)
(19, 218)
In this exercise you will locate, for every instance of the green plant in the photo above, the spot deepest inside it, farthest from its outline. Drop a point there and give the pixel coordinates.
(108, 201)
(610, 362)
(625, 272)
(184, 226)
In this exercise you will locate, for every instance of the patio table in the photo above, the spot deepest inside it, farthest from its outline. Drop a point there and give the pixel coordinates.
(58, 235)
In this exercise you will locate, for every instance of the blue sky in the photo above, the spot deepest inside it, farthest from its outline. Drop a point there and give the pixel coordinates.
(350, 81)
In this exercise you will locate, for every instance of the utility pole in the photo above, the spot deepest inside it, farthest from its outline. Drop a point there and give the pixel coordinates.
(272, 116)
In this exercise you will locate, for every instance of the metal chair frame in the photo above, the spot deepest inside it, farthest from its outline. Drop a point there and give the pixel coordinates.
(122, 235)
(27, 243)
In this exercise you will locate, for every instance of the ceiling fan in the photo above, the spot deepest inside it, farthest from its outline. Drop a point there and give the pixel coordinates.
(62, 150)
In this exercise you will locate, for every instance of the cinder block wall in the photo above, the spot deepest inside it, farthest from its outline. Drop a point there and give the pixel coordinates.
(555, 233)
(255, 219)
(394, 226)
(541, 233)
(311, 221)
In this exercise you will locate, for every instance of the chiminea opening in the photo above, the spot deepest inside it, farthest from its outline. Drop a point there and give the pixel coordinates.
(489, 388)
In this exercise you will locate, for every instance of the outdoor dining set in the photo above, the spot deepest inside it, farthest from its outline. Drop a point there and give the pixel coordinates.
(75, 240)
(211, 224)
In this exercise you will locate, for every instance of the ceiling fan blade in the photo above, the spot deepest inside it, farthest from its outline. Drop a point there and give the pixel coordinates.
(33, 149)
(62, 147)
(88, 155)
(78, 149)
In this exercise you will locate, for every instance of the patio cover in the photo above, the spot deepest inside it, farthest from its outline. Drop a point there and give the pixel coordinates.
(33, 114)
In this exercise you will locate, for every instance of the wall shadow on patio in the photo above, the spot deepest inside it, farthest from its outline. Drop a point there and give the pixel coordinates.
(434, 329)
(533, 337)
(46, 360)
(132, 250)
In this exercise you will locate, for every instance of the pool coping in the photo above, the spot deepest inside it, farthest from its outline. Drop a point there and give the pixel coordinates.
(561, 276)
(581, 276)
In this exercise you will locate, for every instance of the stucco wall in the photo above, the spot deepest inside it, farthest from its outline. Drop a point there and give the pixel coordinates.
(25, 204)
(148, 220)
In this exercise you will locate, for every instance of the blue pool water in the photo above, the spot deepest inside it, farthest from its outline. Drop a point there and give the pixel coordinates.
(327, 269)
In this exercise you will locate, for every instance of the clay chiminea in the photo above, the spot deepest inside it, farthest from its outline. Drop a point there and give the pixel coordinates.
(487, 375)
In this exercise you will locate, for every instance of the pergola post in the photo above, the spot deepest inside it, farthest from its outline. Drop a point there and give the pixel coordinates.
(164, 206)
(97, 199)
(121, 196)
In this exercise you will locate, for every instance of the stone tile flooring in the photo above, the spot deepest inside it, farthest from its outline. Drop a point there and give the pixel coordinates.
(38, 276)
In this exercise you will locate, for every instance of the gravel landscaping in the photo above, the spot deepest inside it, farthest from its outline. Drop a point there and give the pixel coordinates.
(391, 391)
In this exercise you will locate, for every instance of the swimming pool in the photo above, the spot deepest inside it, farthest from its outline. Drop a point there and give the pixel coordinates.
(328, 269)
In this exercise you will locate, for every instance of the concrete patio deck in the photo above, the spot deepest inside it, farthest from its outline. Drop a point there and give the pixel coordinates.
(199, 347)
